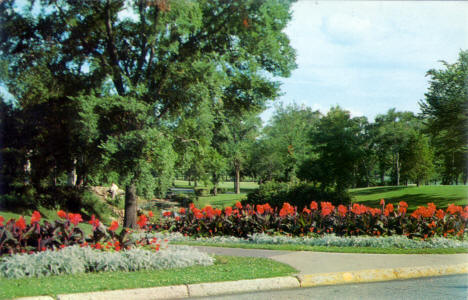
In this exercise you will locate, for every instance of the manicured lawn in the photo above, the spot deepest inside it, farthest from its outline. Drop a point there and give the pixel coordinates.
(292, 247)
(224, 269)
(245, 186)
(441, 195)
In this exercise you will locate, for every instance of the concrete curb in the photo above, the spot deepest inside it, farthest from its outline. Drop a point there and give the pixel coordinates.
(310, 280)
(262, 284)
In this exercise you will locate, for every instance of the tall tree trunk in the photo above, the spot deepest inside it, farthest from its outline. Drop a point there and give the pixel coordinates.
(72, 175)
(397, 168)
(215, 190)
(237, 178)
(130, 217)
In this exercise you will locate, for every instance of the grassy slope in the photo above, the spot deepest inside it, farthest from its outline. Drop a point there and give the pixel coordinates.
(441, 195)
(224, 269)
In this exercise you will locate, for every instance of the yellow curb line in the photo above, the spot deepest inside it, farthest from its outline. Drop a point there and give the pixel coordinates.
(310, 280)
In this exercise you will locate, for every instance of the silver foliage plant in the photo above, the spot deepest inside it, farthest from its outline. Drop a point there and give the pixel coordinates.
(395, 241)
(75, 259)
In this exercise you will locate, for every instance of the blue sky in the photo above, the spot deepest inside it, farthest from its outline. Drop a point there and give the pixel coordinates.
(370, 56)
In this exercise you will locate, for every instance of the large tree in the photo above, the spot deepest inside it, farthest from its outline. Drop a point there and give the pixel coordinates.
(158, 57)
(445, 109)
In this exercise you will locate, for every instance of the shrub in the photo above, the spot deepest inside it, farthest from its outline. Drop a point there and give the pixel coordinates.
(300, 195)
(202, 192)
(76, 259)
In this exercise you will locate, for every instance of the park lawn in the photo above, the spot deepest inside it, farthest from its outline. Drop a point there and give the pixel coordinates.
(293, 247)
(246, 186)
(220, 200)
(224, 269)
(440, 195)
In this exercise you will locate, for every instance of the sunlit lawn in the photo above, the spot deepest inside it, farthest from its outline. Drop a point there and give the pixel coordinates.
(441, 195)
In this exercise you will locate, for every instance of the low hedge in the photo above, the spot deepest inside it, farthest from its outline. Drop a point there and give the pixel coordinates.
(300, 195)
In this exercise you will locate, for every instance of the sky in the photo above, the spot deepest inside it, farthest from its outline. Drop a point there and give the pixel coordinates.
(370, 56)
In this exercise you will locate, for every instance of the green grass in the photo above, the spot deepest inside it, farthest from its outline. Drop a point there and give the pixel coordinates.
(224, 269)
(220, 200)
(292, 247)
(441, 195)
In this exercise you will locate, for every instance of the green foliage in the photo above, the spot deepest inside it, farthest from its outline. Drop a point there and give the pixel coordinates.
(202, 192)
(446, 111)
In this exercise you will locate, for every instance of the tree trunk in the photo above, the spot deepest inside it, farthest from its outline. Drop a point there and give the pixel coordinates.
(215, 190)
(397, 167)
(130, 217)
(237, 178)
(72, 175)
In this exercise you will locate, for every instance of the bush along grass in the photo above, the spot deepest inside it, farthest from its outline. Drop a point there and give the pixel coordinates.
(327, 240)
(324, 218)
(16, 236)
(76, 259)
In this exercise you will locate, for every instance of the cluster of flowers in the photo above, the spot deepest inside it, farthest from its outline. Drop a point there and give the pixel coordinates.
(16, 236)
(320, 218)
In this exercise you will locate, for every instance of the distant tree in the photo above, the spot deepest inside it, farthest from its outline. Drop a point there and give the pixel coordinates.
(417, 159)
(445, 109)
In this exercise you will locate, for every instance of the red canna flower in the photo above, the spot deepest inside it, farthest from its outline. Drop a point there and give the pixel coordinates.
(228, 211)
(177, 218)
(94, 222)
(238, 205)
(382, 201)
(306, 210)
(453, 209)
(313, 205)
(217, 212)
(260, 209)
(142, 220)
(62, 214)
(1, 220)
(75, 219)
(342, 210)
(166, 214)
(150, 214)
(36, 217)
(20, 223)
(389, 207)
(114, 225)
(440, 214)
(182, 211)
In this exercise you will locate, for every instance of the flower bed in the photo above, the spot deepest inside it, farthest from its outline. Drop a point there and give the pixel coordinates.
(319, 218)
(76, 259)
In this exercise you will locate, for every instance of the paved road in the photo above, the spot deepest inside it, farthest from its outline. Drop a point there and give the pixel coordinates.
(431, 288)
(308, 262)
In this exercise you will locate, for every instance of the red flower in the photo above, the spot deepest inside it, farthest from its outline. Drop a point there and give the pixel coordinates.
(150, 214)
(177, 218)
(1, 220)
(306, 210)
(36, 217)
(142, 221)
(20, 223)
(75, 219)
(167, 214)
(62, 214)
(238, 205)
(313, 205)
(382, 202)
(94, 222)
(182, 211)
(453, 209)
(342, 210)
(389, 207)
(403, 204)
(228, 211)
(440, 214)
(217, 212)
(114, 225)
(98, 245)
(359, 209)
(260, 209)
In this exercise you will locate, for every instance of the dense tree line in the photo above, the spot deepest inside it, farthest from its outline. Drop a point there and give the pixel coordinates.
(139, 92)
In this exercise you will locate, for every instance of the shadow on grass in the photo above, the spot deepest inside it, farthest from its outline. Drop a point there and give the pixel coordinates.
(369, 191)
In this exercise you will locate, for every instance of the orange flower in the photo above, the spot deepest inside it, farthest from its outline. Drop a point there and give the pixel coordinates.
(114, 225)
(313, 205)
(403, 204)
(182, 211)
(260, 209)
(36, 217)
(20, 223)
(306, 210)
(389, 207)
(342, 210)
(228, 211)
(1, 220)
(382, 201)
(453, 209)
(150, 214)
(238, 205)
(62, 214)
